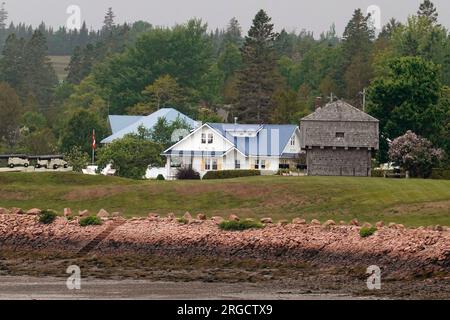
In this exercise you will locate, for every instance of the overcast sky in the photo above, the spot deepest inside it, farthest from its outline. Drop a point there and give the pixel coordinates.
(313, 15)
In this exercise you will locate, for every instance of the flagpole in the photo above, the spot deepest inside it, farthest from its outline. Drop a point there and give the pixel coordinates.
(93, 146)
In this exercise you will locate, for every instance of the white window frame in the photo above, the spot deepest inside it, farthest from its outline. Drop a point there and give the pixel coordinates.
(210, 138)
(237, 164)
(263, 164)
(203, 138)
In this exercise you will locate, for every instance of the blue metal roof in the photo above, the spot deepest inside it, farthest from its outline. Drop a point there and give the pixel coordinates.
(118, 123)
(261, 140)
(148, 122)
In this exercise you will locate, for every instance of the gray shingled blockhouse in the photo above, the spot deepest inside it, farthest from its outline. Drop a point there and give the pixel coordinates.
(339, 140)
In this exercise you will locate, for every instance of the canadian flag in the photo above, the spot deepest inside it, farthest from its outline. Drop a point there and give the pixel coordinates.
(94, 144)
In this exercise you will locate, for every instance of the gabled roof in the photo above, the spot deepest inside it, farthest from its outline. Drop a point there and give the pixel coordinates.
(118, 123)
(339, 111)
(148, 122)
(270, 139)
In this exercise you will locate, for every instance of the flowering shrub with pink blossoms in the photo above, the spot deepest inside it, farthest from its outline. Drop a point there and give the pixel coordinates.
(415, 154)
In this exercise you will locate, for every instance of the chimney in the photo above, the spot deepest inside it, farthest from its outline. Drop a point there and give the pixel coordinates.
(318, 102)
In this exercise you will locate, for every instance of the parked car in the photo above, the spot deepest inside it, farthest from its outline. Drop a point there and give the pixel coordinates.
(51, 162)
(18, 161)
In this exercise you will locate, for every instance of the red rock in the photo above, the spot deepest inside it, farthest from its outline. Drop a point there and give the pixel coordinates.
(266, 220)
(329, 223)
(4, 211)
(298, 221)
(233, 217)
(354, 222)
(34, 212)
(67, 212)
(315, 222)
(103, 213)
(342, 223)
(17, 211)
(116, 214)
(217, 219)
(201, 216)
(367, 225)
(187, 216)
(379, 224)
(83, 213)
(171, 216)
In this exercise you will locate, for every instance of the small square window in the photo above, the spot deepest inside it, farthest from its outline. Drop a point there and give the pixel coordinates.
(340, 134)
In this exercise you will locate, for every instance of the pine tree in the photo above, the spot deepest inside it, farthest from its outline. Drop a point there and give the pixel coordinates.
(3, 16)
(258, 78)
(357, 45)
(233, 34)
(74, 67)
(108, 23)
(428, 10)
(40, 77)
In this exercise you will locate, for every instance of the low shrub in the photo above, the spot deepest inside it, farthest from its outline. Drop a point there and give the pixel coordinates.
(229, 174)
(187, 174)
(182, 220)
(240, 225)
(90, 221)
(160, 177)
(47, 216)
(440, 173)
(367, 232)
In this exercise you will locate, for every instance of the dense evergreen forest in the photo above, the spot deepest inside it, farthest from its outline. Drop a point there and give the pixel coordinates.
(401, 75)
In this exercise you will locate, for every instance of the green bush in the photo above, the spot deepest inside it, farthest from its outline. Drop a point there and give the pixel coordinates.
(90, 221)
(47, 216)
(187, 173)
(240, 225)
(440, 173)
(182, 220)
(367, 232)
(228, 174)
(160, 177)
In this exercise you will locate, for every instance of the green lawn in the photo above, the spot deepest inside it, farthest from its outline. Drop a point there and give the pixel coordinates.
(60, 63)
(411, 202)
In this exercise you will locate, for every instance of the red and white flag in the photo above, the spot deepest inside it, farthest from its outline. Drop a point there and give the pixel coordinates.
(94, 144)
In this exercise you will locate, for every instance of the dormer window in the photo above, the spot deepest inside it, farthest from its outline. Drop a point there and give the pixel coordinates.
(203, 138)
(340, 135)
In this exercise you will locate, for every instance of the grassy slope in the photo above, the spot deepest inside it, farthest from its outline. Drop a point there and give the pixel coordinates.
(412, 202)
(60, 63)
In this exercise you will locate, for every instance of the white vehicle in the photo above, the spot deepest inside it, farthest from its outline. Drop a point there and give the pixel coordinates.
(50, 162)
(153, 172)
(17, 161)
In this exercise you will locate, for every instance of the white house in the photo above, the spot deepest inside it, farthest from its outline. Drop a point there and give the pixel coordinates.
(221, 146)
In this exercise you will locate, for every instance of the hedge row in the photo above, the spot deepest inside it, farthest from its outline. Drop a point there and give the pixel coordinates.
(440, 173)
(228, 174)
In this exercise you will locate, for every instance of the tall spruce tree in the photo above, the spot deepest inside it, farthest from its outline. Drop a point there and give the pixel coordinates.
(356, 47)
(108, 22)
(428, 10)
(258, 78)
(3, 16)
(40, 77)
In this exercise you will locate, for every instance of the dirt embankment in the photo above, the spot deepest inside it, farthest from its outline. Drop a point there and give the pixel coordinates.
(398, 252)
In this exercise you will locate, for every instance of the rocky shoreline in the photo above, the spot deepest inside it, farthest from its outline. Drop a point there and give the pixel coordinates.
(399, 252)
